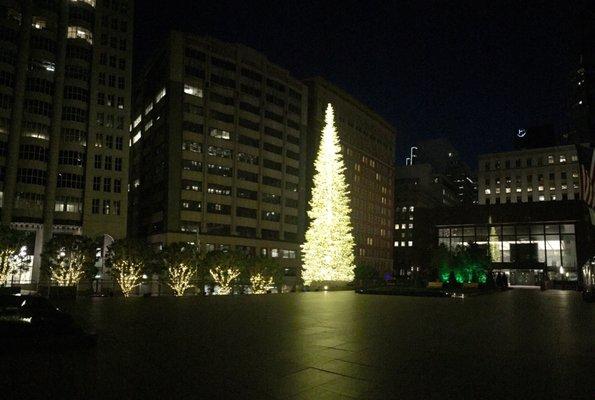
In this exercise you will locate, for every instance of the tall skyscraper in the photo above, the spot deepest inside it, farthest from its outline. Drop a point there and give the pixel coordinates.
(445, 160)
(65, 72)
(582, 100)
(368, 143)
(218, 150)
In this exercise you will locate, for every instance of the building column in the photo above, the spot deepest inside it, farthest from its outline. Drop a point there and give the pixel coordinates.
(56, 125)
(36, 270)
(16, 120)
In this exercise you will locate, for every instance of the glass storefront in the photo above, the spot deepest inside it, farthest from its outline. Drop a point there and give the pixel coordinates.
(521, 248)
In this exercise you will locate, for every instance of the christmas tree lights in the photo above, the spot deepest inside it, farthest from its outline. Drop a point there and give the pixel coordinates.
(224, 277)
(328, 249)
(128, 274)
(69, 267)
(260, 283)
(179, 278)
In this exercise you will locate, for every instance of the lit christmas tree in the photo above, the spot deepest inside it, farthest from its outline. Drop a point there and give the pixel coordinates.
(328, 250)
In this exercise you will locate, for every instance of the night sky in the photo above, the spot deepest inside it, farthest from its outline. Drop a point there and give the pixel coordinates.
(473, 71)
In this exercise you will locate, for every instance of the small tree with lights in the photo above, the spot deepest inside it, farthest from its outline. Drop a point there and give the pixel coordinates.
(225, 268)
(182, 263)
(128, 262)
(13, 255)
(263, 273)
(328, 249)
(68, 258)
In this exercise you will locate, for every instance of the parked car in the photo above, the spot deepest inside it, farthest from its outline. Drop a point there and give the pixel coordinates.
(34, 322)
(588, 285)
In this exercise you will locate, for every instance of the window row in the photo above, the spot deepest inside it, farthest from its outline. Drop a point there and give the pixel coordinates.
(530, 161)
(107, 184)
(106, 207)
(105, 162)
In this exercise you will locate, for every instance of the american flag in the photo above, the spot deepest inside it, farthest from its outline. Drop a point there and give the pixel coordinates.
(587, 166)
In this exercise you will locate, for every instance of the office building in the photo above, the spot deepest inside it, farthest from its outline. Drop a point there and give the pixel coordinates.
(525, 240)
(419, 191)
(368, 143)
(544, 174)
(433, 178)
(445, 160)
(65, 72)
(582, 100)
(218, 148)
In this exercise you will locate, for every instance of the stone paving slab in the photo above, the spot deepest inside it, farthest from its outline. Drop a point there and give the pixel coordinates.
(339, 345)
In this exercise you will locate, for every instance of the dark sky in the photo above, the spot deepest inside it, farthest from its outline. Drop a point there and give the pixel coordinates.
(473, 71)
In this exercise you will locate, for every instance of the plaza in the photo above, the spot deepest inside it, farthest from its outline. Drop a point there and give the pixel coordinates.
(323, 345)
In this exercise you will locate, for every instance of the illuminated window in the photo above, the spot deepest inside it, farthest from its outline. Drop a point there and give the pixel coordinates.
(396, 244)
(192, 90)
(550, 159)
(574, 157)
(410, 226)
(518, 190)
(78, 32)
(498, 190)
(89, 2)
(488, 191)
(562, 158)
(507, 190)
(402, 244)
(149, 108)
(411, 208)
(410, 243)
(137, 121)
(220, 133)
(39, 23)
(136, 137)
(540, 187)
(397, 226)
(403, 226)
(541, 197)
(160, 95)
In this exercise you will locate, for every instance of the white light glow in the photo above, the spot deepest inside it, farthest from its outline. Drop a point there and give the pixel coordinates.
(328, 249)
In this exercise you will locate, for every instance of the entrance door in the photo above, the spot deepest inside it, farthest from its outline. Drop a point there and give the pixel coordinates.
(525, 277)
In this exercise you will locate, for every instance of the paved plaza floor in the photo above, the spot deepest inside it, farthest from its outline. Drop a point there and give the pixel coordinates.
(520, 344)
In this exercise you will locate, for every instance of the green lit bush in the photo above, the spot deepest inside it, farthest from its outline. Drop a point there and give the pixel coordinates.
(466, 264)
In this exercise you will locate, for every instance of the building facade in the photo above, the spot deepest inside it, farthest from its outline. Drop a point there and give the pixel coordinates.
(445, 160)
(368, 144)
(581, 102)
(218, 148)
(525, 240)
(418, 192)
(543, 174)
(65, 80)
